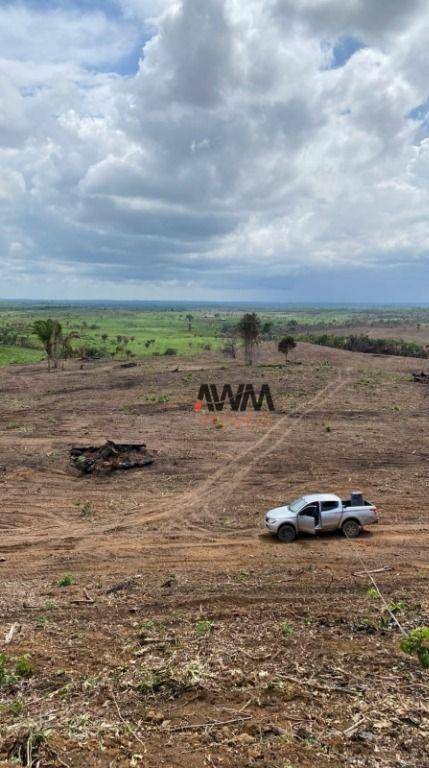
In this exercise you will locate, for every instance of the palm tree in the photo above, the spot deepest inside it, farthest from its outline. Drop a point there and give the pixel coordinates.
(249, 329)
(50, 333)
(286, 344)
(189, 319)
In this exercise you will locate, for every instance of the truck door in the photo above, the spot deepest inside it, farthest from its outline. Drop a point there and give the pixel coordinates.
(308, 518)
(330, 515)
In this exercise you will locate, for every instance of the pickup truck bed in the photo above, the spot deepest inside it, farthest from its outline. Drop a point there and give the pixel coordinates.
(349, 503)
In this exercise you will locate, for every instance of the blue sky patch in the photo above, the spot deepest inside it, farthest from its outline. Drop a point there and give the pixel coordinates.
(128, 65)
(343, 50)
(108, 7)
(420, 112)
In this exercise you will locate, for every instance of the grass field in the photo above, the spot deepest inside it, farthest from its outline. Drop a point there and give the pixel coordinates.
(154, 331)
(12, 355)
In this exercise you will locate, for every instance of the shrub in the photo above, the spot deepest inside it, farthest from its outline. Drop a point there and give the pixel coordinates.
(170, 351)
(417, 643)
(204, 626)
(23, 666)
(67, 580)
(10, 675)
(373, 593)
(6, 676)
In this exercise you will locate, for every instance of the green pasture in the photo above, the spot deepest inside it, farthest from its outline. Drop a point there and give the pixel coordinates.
(11, 355)
(153, 332)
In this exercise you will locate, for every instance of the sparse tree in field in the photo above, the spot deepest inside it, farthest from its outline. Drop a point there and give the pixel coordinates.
(267, 328)
(66, 346)
(230, 348)
(122, 348)
(249, 328)
(189, 319)
(50, 333)
(286, 344)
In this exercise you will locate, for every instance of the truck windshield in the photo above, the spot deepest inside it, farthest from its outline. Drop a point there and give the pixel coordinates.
(297, 504)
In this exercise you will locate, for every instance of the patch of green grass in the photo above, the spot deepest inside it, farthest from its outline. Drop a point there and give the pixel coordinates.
(286, 628)
(11, 672)
(23, 666)
(372, 593)
(85, 509)
(204, 627)
(16, 707)
(152, 624)
(66, 581)
(19, 355)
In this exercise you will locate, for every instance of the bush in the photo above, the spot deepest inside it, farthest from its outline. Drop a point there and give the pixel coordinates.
(67, 580)
(170, 351)
(204, 627)
(9, 675)
(417, 643)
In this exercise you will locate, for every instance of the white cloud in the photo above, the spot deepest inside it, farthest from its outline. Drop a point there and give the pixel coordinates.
(62, 34)
(232, 151)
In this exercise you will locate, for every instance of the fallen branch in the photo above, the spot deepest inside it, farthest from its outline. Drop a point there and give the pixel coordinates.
(353, 728)
(125, 722)
(376, 570)
(57, 757)
(212, 724)
(12, 632)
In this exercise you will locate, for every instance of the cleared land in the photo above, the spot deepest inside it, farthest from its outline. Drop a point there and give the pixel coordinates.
(218, 646)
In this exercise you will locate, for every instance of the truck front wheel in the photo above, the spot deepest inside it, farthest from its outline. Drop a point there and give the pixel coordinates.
(352, 529)
(286, 533)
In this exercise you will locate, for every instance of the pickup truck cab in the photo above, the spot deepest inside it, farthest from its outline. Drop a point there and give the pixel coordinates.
(318, 512)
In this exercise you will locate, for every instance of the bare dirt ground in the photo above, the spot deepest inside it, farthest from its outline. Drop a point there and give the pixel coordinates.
(217, 646)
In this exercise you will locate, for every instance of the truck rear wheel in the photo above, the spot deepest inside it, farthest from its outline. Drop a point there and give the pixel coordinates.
(351, 529)
(286, 533)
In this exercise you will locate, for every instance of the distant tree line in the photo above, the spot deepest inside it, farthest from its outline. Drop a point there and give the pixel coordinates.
(364, 343)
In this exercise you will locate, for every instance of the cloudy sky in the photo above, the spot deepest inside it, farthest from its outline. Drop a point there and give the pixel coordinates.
(214, 149)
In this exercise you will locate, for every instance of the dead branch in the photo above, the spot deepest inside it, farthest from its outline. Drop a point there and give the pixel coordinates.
(376, 570)
(12, 632)
(212, 724)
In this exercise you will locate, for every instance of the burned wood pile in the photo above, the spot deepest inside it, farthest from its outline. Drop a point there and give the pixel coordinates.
(109, 457)
(421, 378)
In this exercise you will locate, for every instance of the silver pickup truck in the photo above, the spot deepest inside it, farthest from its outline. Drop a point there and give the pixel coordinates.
(317, 512)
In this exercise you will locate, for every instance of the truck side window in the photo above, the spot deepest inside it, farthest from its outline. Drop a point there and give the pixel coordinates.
(328, 505)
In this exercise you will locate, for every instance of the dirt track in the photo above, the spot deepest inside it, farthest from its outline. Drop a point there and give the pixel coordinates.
(184, 538)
